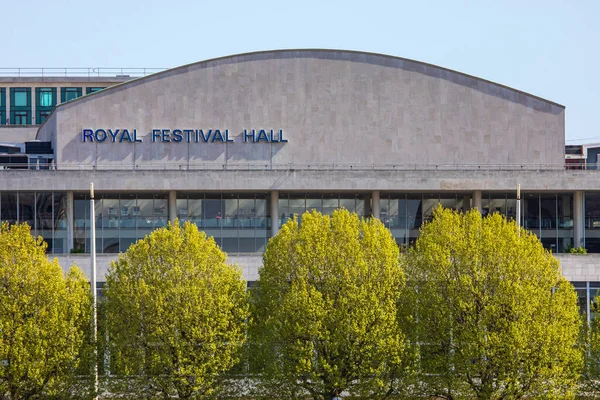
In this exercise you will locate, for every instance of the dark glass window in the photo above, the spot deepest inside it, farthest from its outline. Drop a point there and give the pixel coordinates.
(89, 90)
(43, 116)
(2, 106)
(20, 106)
(21, 117)
(69, 93)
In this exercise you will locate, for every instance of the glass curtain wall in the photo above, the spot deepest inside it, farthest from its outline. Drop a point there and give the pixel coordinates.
(239, 222)
(550, 217)
(404, 213)
(296, 204)
(592, 222)
(121, 219)
(44, 212)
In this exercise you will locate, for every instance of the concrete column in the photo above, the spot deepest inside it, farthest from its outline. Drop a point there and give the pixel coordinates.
(274, 205)
(172, 206)
(578, 219)
(70, 222)
(33, 107)
(7, 103)
(477, 200)
(375, 203)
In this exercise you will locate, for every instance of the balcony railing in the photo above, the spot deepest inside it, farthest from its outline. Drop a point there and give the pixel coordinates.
(266, 166)
(104, 72)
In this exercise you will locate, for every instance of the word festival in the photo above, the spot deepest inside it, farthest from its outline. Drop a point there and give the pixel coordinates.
(182, 135)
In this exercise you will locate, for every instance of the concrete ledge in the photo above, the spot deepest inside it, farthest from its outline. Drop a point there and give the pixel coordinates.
(248, 263)
(307, 180)
(580, 267)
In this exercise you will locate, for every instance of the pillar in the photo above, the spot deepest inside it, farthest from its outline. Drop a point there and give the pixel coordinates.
(477, 200)
(274, 206)
(578, 219)
(172, 205)
(70, 222)
(375, 203)
(33, 107)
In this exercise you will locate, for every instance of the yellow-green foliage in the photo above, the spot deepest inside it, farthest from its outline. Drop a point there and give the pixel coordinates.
(492, 316)
(176, 313)
(325, 308)
(44, 317)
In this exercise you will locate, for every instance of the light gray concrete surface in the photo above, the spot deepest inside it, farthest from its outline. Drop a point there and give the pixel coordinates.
(248, 263)
(333, 107)
(576, 268)
(18, 134)
(580, 267)
(302, 180)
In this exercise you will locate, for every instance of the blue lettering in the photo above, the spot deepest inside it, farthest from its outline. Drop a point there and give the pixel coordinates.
(87, 133)
(249, 135)
(273, 140)
(113, 135)
(197, 138)
(227, 136)
(135, 139)
(98, 137)
(165, 135)
(205, 138)
(125, 136)
(262, 135)
(188, 132)
(177, 135)
(155, 134)
(281, 139)
(217, 136)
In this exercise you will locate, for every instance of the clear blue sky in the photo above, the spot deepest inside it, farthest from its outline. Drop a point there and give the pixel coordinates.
(548, 48)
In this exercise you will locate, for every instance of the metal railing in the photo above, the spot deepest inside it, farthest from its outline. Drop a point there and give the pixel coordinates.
(103, 72)
(266, 166)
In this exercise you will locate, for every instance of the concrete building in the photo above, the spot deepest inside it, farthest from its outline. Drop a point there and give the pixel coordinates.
(239, 144)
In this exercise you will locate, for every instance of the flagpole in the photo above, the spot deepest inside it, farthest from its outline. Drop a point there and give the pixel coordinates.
(518, 205)
(94, 294)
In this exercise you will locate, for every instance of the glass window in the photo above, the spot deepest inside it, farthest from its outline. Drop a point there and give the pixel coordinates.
(330, 204)
(8, 207)
(20, 99)
(70, 93)
(43, 116)
(89, 90)
(46, 97)
(20, 117)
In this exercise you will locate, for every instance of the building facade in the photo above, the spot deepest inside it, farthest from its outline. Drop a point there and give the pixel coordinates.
(240, 144)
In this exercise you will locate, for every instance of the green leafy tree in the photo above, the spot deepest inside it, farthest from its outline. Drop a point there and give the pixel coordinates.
(489, 310)
(325, 308)
(176, 314)
(44, 317)
(591, 342)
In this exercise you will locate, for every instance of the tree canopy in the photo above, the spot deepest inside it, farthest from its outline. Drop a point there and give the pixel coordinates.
(490, 313)
(176, 313)
(44, 317)
(324, 310)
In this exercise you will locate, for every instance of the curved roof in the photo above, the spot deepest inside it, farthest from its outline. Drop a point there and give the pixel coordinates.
(331, 54)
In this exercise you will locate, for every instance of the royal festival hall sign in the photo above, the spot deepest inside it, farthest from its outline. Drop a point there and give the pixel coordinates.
(181, 136)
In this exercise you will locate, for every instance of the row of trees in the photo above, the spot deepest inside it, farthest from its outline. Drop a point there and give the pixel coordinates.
(476, 309)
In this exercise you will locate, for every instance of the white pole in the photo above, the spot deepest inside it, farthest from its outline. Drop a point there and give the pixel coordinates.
(94, 300)
(518, 205)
